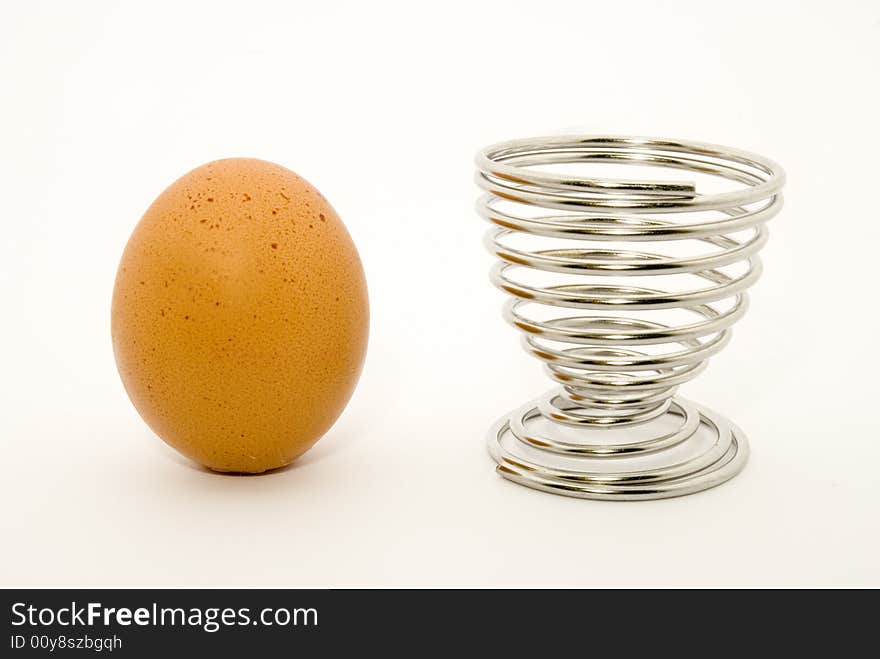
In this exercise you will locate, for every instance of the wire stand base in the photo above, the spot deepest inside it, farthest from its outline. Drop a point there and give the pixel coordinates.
(702, 450)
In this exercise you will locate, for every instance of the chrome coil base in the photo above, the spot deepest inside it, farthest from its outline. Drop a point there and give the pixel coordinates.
(623, 288)
(525, 458)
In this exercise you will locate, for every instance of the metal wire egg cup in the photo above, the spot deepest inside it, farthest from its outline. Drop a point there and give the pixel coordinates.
(618, 360)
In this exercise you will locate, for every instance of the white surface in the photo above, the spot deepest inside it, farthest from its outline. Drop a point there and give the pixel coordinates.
(382, 106)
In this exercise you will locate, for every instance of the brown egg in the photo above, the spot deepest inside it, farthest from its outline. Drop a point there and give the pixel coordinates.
(240, 316)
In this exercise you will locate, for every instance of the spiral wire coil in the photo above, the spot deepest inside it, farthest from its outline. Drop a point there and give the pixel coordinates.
(624, 289)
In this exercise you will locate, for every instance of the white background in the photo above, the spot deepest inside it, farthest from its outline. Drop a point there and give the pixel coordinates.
(382, 106)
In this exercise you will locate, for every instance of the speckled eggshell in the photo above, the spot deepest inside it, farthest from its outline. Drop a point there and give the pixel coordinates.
(240, 316)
